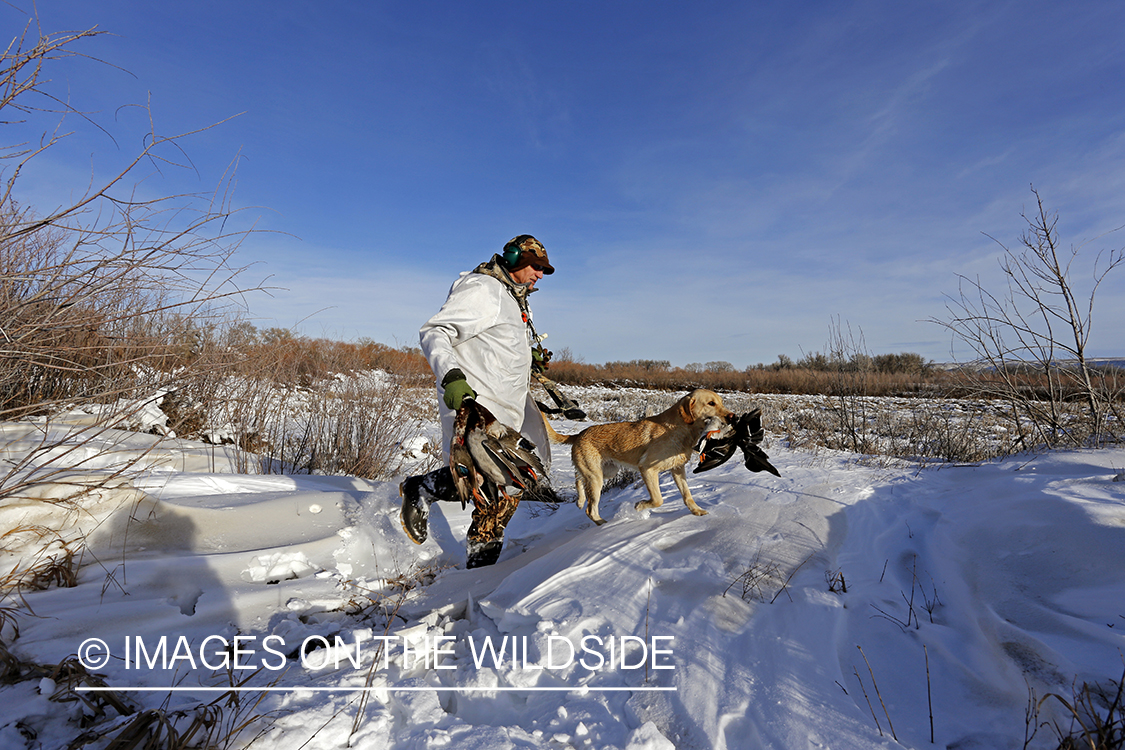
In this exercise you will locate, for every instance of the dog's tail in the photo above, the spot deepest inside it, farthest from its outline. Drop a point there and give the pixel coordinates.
(554, 436)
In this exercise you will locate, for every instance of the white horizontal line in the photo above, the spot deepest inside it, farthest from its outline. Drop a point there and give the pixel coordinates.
(505, 689)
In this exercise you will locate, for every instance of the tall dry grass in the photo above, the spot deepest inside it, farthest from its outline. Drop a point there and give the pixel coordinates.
(793, 379)
(295, 404)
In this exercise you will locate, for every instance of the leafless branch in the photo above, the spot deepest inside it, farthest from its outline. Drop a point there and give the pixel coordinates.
(1031, 339)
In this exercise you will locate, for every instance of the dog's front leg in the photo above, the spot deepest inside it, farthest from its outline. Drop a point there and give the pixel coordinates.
(680, 477)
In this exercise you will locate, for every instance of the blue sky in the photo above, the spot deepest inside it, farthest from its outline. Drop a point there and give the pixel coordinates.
(713, 181)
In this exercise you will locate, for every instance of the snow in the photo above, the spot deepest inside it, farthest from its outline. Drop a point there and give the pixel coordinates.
(787, 617)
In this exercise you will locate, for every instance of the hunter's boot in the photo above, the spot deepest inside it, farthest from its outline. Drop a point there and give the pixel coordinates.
(480, 554)
(417, 493)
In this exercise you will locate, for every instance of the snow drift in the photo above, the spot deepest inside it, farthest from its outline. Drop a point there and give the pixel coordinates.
(839, 605)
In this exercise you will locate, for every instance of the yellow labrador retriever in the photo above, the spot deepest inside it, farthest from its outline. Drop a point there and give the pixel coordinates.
(650, 445)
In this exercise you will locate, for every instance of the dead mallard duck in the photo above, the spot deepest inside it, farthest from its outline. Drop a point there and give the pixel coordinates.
(746, 433)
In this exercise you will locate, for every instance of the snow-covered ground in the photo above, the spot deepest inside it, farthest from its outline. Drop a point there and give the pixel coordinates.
(838, 606)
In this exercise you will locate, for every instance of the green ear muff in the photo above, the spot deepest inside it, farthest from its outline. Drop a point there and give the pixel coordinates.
(512, 253)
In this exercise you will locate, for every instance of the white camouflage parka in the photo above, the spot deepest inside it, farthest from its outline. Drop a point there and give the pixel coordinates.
(481, 330)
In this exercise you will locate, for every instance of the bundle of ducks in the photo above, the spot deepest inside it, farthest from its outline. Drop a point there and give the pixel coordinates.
(488, 459)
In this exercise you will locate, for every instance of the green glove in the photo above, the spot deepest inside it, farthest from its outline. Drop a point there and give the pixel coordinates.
(456, 388)
(540, 359)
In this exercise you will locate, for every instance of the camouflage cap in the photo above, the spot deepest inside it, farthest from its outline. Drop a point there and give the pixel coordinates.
(524, 250)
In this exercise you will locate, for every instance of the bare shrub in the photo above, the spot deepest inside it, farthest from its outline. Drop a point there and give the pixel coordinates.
(108, 302)
(1096, 714)
(221, 723)
(299, 405)
(356, 427)
(850, 384)
(944, 432)
(288, 358)
(919, 431)
(308, 405)
(759, 578)
(1039, 327)
(112, 297)
(66, 677)
(906, 362)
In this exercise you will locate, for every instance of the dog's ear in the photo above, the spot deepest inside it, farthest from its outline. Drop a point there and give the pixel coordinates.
(687, 409)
